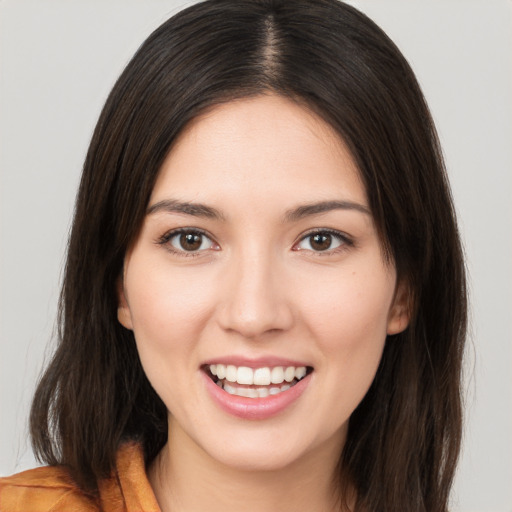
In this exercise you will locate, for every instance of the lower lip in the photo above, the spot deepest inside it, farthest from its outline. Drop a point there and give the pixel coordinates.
(255, 408)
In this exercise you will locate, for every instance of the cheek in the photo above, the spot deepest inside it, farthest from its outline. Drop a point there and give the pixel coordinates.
(168, 312)
(347, 312)
(164, 301)
(347, 317)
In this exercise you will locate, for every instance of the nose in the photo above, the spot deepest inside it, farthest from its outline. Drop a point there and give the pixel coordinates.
(256, 300)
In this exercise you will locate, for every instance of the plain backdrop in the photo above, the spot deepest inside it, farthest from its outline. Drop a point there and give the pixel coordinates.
(58, 61)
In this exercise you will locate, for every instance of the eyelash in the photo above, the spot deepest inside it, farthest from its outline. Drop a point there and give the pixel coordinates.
(167, 237)
(345, 241)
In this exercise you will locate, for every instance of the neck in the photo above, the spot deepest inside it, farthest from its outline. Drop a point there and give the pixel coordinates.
(186, 479)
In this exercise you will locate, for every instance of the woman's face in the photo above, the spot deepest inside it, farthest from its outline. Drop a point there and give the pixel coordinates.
(258, 263)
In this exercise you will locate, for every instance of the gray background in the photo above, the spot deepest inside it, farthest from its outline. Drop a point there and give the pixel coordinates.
(58, 60)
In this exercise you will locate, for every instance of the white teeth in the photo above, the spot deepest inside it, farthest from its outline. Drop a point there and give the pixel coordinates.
(300, 372)
(262, 392)
(231, 373)
(254, 392)
(221, 371)
(245, 375)
(262, 376)
(289, 374)
(248, 392)
(230, 389)
(277, 375)
(257, 376)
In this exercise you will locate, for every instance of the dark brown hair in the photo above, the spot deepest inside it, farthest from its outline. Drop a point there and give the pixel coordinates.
(404, 437)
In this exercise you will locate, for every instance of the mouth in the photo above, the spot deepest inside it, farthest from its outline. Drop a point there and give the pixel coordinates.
(255, 382)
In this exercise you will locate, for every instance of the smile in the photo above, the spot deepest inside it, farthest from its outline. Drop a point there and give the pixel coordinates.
(256, 382)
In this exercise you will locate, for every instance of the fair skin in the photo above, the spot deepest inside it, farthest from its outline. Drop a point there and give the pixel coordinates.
(258, 251)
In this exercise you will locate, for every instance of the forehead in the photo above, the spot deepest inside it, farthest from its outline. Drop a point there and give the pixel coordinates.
(260, 146)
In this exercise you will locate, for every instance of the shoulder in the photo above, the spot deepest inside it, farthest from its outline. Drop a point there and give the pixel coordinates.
(46, 489)
(51, 488)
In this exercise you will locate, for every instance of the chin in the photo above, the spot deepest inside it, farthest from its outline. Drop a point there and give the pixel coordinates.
(259, 460)
(271, 451)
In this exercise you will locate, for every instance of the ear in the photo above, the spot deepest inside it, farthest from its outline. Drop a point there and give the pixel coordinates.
(400, 311)
(123, 310)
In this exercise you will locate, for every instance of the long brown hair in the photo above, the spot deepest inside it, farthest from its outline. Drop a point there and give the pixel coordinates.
(404, 437)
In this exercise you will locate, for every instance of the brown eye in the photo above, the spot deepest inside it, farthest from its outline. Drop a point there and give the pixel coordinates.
(322, 241)
(190, 241)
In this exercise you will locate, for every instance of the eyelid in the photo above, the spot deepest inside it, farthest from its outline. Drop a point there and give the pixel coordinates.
(346, 241)
(166, 238)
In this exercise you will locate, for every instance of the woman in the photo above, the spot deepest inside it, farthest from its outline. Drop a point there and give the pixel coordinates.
(264, 299)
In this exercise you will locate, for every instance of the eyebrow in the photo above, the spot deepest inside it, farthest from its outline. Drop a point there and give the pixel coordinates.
(176, 206)
(300, 212)
(322, 207)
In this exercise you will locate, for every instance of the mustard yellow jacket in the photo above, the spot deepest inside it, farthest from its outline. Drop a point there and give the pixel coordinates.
(50, 489)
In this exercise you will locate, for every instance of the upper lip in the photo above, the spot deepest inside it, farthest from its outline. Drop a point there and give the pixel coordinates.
(258, 362)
